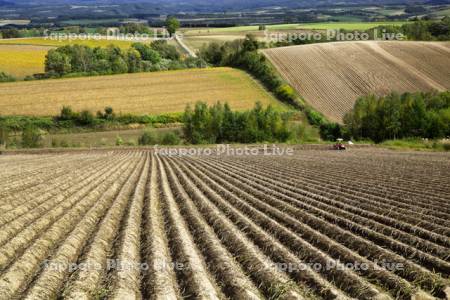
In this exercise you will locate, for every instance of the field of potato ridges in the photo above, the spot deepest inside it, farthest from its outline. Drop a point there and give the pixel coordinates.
(134, 224)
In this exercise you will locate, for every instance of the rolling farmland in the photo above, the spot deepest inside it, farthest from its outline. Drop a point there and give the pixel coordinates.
(331, 76)
(131, 224)
(142, 93)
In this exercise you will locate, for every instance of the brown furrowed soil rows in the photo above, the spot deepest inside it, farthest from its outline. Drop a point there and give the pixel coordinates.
(50, 281)
(389, 233)
(159, 281)
(291, 171)
(26, 181)
(25, 195)
(407, 222)
(35, 164)
(134, 224)
(14, 279)
(384, 192)
(332, 76)
(60, 189)
(87, 282)
(431, 61)
(193, 276)
(405, 182)
(127, 281)
(373, 179)
(432, 262)
(274, 283)
(261, 237)
(327, 189)
(51, 209)
(257, 207)
(342, 171)
(79, 201)
(234, 283)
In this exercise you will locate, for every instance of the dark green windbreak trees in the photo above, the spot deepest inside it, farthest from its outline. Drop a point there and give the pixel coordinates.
(421, 115)
(218, 124)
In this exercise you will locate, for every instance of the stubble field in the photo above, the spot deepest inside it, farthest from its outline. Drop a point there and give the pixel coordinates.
(130, 224)
(142, 93)
(331, 76)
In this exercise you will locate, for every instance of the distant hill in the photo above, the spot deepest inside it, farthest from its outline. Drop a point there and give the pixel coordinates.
(223, 4)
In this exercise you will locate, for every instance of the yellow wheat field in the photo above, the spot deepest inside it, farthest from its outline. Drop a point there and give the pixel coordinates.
(42, 41)
(331, 76)
(22, 60)
(26, 56)
(143, 93)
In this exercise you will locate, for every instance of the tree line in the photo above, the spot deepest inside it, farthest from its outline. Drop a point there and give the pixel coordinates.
(140, 57)
(243, 54)
(219, 124)
(201, 125)
(417, 115)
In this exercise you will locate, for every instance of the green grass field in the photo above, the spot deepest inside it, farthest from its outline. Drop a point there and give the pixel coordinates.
(318, 26)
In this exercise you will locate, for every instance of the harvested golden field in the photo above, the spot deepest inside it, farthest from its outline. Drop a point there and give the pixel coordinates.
(331, 76)
(134, 224)
(142, 93)
(22, 60)
(41, 41)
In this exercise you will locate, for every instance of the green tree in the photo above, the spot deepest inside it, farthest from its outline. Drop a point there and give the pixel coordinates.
(31, 137)
(172, 25)
(57, 62)
(86, 118)
(4, 135)
(165, 50)
(147, 138)
(133, 60)
(66, 114)
(147, 53)
(170, 138)
(423, 115)
(119, 65)
(6, 78)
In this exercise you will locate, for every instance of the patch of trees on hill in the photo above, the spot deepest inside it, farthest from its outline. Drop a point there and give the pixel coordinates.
(219, 124)
(84, 60)
(243, 54)
(419, 115)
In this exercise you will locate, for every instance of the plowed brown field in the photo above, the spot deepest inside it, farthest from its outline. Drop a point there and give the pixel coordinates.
(331, 76)
(129, 224)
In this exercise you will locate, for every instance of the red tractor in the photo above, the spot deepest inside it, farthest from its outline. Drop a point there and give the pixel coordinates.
(339, 145)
